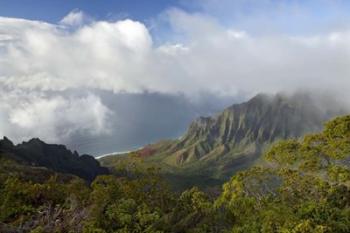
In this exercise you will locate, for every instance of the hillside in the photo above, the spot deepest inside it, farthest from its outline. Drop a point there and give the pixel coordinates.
(303, 186)
(218, 146)
(36, 153)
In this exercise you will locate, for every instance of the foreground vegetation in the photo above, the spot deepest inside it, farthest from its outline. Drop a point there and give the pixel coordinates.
(304, 186)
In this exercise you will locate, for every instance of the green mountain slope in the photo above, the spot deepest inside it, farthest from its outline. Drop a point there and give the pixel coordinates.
(218, 146)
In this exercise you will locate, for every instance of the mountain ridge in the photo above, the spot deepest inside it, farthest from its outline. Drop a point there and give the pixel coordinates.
(234, 139)
(58, 158)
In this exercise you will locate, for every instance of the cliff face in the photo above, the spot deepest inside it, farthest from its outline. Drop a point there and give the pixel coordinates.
(55, 157)
(235, 138)
(248, 126)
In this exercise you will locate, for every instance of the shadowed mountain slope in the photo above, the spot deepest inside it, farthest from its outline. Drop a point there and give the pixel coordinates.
(58, 158)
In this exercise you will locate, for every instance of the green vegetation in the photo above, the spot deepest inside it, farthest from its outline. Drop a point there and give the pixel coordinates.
(215, 148)
(303, 187)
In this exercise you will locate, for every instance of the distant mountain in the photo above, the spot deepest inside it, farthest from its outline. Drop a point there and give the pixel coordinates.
(233, 139)
(37, 153)
(245, 128)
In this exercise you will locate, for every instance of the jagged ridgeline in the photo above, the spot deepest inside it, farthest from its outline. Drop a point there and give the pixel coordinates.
(35, 156)
(234, 139)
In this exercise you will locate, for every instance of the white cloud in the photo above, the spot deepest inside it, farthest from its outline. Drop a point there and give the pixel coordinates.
(41, 59)
(100, 55)
(54, 118)
(74, 18)
(120, 56)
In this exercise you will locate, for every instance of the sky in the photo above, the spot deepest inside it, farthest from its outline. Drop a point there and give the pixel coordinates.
(104, 76)
(53, 11)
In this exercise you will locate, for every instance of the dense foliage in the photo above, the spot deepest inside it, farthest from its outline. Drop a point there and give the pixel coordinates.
(304, 186)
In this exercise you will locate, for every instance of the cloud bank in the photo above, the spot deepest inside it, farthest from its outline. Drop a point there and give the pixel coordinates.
(41, 62)
(54, 118)
(121, 56)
